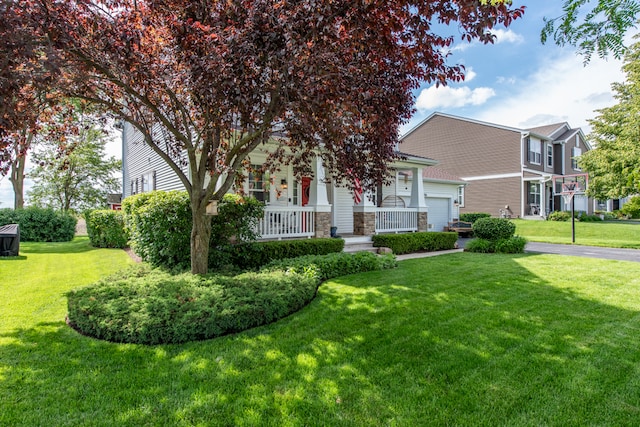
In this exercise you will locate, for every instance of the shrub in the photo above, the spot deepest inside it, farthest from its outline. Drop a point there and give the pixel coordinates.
(154, 307)
(414, 242)
(512, 245)
(254, 255)
(632, 207)
(472, 217)
(493, 229)
(329, 266)
(479, 245)
(106, 228)
(237, 220)
(41, 225)
(590, 218)
(559, 216)
(159, 226)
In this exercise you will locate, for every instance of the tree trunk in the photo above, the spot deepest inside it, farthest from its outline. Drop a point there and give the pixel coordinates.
(17, 181)
(200, 236)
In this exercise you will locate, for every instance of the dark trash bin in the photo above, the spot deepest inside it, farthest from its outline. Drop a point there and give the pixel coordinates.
(9, 240)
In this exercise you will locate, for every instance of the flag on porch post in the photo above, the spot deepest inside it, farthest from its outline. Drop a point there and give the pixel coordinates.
(357, 190)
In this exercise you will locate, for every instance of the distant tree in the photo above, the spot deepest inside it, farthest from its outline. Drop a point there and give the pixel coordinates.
(72, 171)
(614, 165)
(207, 83)
(593, 26)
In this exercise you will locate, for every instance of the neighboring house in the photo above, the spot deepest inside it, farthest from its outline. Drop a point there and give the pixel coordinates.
(509, 170)
(312, 207)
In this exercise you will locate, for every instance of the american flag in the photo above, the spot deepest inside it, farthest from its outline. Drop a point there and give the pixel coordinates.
(357, 190)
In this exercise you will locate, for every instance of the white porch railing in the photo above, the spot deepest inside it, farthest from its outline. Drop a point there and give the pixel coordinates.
(395, 220)
(285, 222)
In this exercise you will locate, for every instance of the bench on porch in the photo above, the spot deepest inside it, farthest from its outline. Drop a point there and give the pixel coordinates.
(460, 227)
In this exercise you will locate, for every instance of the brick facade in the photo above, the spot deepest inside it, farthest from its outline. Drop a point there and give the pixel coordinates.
(323, 224)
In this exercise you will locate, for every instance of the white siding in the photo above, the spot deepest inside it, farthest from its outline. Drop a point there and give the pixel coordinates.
(139, 160)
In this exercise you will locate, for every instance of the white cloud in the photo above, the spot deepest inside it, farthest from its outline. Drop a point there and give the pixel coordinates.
(469, 74)
(560, 89)
(434, 97)
(507, 36)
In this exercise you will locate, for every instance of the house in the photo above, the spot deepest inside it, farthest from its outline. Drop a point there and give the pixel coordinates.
(509, 170)
(312, 207)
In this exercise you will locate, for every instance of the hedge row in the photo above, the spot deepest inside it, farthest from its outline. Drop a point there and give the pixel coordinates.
(326, 267)
(249, 256)
(415, 242)
(106, 228)
(40, 225)
(472, 217)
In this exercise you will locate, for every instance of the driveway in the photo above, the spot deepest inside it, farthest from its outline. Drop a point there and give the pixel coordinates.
(576, 250)
(584, 251)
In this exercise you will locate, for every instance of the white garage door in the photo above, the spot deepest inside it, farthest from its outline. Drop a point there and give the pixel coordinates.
(438, 216)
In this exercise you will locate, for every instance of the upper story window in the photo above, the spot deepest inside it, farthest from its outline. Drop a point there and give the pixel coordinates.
(550, 155)
(534, 148)
(575, 154)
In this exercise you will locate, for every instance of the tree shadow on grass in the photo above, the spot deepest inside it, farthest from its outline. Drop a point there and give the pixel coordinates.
(77, 245)
(14, 258)
(414, 346)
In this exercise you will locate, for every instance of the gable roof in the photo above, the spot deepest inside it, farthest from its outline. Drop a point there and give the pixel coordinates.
(435, 173)
(549, 130)
(463, 119)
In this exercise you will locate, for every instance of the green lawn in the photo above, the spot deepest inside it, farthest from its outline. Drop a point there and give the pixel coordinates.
(619, 234)
(462, 339)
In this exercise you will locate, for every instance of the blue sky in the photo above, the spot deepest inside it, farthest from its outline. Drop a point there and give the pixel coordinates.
(515, 82)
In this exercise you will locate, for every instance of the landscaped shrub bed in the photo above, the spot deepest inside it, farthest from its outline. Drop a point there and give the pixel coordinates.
(559, 216)
(155, 307)
(326, 267)
(40, 225)
(253, 255)
(495, 235)
(416, 242)
(145, 306)
(106, 228)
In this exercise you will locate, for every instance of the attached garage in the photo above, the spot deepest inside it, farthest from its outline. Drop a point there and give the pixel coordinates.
(439, 212)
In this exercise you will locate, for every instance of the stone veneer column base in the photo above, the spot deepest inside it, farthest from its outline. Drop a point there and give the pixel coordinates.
(423, 223)
(364, 223)
(323, 224)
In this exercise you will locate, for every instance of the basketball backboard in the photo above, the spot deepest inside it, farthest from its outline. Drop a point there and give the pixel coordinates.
(570, 184)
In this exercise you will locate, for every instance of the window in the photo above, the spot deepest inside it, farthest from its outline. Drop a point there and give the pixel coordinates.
(535, 151)
(148, 181)
(259, 184)
(461, 196)
(534, 194)
(550, 155)
(134, 186)
(575, 154)
(295, 196)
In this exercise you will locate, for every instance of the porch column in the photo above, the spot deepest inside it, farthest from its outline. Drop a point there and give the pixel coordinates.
(364, 216)
(418, 200)
(318, 198)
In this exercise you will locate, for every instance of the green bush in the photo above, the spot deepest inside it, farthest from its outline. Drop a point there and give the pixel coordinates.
(415, 242)
(159, 227)
(512, 245)
(479, 245)
(493, 229)
(559, 216)
(253, 255)
(106, 228)
(472, 217)
(329, 266)
(632, 207)
(590, 218)
(41, 225)
(154, 307)
(237, 220)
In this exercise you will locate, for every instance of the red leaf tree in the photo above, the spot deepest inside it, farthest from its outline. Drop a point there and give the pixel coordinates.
(208, 82)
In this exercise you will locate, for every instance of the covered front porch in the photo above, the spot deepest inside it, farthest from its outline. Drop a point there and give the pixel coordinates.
(323, 208)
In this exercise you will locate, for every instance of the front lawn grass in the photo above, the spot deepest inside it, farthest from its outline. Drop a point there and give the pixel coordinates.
(614, 234)
(462, 339)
